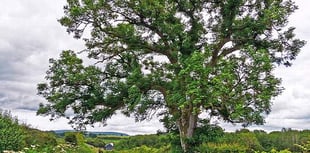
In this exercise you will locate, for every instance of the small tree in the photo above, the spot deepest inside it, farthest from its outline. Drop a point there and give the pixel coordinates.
(11, 134)
(186, 56)
(74, 138)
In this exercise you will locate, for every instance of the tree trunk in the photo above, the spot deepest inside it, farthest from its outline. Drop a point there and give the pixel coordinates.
(187, 124)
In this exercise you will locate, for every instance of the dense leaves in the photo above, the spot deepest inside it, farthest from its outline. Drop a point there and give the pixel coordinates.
(11, 135)
(71, 138)
(153, 141)
(37, 137)
(178, 58)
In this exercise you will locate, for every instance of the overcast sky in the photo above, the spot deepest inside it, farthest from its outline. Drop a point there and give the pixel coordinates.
(30, 35)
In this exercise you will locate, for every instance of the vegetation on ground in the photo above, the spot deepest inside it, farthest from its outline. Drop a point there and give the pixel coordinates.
(11, 135)
(211, 139)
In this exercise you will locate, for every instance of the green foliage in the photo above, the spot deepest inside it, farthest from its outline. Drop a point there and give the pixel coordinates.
(152, 141)
(206, 133)
(175, 142)
(144, 149)
(39, 138)
(40, 149)
(285, 139)
(275, 151)
(258, 141)
(60, 148)
(264, 139)
(234, 142)
(220, 63)
(241, 141)
(11, 134)
(86, 148)
(71, 138)
(305, 147)
(222, 148)
(74, 138)
(96, 142)
(72, 142)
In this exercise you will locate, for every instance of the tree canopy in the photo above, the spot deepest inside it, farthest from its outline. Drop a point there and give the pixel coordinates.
(176, 58)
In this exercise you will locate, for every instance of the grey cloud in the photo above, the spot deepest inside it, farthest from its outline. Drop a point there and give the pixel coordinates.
(26, 43)
(19, 101)
(29, 36)
(27, 107)
(301, 95)
(288, 123)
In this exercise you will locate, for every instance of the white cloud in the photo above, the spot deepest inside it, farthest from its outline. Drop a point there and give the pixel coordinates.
(119, 123)
(29, 117)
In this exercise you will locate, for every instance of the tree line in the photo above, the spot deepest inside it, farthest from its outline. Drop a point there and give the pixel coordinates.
(211, 139)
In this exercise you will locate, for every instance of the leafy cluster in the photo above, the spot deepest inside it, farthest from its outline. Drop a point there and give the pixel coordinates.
(11, 135)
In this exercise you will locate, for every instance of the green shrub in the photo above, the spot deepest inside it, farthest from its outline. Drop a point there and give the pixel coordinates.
(70, 137)
(243, 138)
(39, 149)
(305, 147)
(205, 133)
(37, 137)
(61, 148)
(153, 141)
(11, 134)
(96, 142)
(222, 148)
(275, 151)
(145, 149)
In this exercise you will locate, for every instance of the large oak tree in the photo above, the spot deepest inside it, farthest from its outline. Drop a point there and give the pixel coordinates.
(176, 58)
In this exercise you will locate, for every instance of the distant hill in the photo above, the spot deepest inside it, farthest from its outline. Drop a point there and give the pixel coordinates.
(108, 133)
(91, 133)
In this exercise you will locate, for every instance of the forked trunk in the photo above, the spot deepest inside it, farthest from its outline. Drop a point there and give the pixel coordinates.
(187, 124)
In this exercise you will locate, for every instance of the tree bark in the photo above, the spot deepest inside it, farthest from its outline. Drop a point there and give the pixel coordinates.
(187, 124)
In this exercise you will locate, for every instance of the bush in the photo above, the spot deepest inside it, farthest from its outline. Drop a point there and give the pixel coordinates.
(275, 151)
(11, 134)
(96, 142)
(305, 147)
(145, 149)
(246, 139)
(153, 141)
(205, 133)
(37, 137)
(222, 148)
(70, 137)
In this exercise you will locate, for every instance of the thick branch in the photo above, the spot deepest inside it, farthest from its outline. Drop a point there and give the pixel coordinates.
(217, 49)
(227, 51)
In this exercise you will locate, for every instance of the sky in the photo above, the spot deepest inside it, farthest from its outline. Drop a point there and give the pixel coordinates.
(30, 35)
